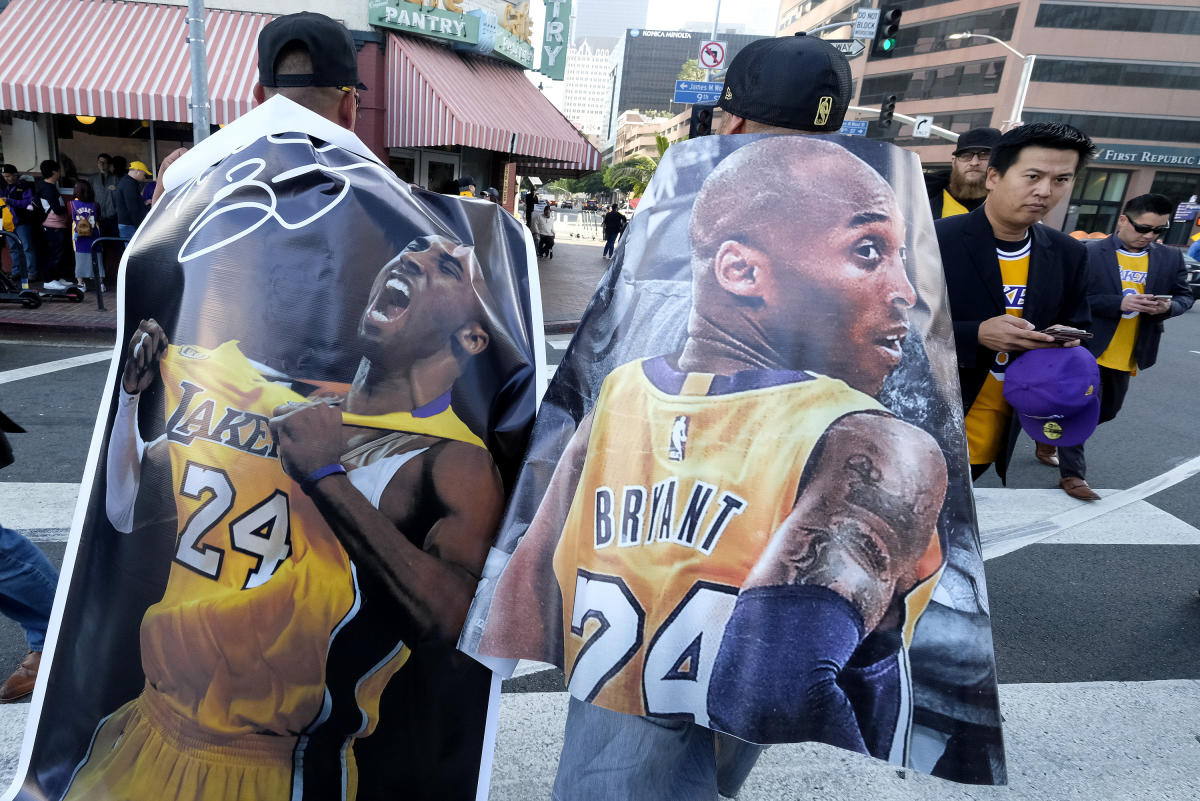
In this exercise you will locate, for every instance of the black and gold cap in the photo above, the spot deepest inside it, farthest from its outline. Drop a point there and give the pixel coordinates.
(329, 44)
(799, 82)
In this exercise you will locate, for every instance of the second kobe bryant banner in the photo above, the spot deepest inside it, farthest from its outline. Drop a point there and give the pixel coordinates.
(322, 387)
(555, 37)
(746, 503)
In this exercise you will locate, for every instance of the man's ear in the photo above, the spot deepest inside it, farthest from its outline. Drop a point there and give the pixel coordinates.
(472, 338)
(740, 269)
(260, 94)
(992, 178)
(732, 124)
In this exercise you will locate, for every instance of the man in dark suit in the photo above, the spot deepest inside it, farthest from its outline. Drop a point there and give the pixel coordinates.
(1134, 284)
(1008, 277)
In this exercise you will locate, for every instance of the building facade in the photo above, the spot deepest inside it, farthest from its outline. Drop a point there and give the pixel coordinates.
(1126, 73)
(586, 91)
(646, 63)
(446, 95)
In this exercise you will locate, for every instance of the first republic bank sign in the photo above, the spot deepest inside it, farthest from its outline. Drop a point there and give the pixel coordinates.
(497, 28)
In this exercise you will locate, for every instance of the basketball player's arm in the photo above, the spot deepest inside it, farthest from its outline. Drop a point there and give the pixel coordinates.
(432, 586)
(837, 566)
(526, 615)
(131, 462)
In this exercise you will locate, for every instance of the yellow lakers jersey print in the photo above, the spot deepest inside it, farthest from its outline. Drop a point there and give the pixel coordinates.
(262, 624)
(1119, 353)
(686, 479)
(985, 420)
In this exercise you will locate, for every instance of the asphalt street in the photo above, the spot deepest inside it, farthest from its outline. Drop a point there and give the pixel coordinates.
(1092, 612)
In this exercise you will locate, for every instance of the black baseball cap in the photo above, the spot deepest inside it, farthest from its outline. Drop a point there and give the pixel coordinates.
(798, 82)
(8, 168)
(977, 139)
(329, 44)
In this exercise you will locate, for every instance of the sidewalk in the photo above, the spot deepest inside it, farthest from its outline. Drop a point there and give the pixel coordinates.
(568, 281)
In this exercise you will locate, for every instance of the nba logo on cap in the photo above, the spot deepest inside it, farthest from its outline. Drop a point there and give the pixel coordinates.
(1053, 392)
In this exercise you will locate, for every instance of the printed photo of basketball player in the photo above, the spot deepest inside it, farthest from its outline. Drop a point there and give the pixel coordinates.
(311, 523)
(739, 533)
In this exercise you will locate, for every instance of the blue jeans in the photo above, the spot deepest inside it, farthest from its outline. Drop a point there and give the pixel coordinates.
(24, 258)
(27, 584)
(610, 244)
(610, 756)
(126, 231)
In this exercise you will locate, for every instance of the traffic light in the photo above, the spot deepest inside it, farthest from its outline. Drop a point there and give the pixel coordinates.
(887, 110)
(885, 33)
(701, 122)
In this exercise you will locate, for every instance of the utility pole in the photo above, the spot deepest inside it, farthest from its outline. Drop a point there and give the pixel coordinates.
(199, 100)
(707, 72)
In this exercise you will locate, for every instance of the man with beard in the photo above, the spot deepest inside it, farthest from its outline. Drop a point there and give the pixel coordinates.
(730, 540)
(306, 530)
(963, 189)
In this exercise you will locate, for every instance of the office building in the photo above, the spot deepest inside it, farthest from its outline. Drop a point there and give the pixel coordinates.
(587, 84)
(1126, 73)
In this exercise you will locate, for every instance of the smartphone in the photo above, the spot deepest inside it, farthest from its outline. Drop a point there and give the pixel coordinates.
(1162, 297)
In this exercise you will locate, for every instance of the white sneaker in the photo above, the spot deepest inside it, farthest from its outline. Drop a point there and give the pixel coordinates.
(56, 284)
(102, 288)
(82, 287)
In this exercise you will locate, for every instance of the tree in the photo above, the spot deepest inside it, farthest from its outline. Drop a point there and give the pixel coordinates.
(633, 175)
(690, 71)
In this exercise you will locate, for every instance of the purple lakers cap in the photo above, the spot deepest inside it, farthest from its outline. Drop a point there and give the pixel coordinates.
(1055, 393)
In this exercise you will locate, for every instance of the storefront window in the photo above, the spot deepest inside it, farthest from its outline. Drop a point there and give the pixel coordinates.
(1177, 187)
(1097, 200)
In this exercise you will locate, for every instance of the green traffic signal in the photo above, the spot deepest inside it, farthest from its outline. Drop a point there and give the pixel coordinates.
(887, 44)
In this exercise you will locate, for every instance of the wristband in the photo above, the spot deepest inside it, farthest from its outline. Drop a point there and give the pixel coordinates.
(311, 480)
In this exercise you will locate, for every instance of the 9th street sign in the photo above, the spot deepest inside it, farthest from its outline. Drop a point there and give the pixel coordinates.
(698, 92)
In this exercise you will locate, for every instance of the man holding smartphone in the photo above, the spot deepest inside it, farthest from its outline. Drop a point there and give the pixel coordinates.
(1134, 284)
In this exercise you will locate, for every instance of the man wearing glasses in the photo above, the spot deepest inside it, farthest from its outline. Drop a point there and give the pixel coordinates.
(964, 189)
(1134, 284)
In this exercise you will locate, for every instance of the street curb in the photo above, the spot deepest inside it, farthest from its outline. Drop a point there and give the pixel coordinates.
(561, 326)
(58, 326)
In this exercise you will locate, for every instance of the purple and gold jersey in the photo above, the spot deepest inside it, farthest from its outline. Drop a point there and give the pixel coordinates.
(986, 419)
(1119, 353)
(687, 477)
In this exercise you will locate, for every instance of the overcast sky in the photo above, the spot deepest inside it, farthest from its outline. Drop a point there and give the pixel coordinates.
(757, 15)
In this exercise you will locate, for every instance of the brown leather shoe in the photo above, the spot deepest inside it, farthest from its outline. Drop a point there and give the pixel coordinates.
(1046, 454)
(1076, 487)
(20, 683)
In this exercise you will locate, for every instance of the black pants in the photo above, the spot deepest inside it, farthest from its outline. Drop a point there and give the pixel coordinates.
(1113, 386)
(57, 242)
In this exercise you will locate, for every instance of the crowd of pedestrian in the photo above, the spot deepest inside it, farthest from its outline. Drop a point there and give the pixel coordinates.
(57, 216)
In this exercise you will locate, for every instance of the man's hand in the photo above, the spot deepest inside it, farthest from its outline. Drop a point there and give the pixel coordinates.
(1143, 303)
(146, 347)
(1007, 333)
(171, 158)
(309, 437)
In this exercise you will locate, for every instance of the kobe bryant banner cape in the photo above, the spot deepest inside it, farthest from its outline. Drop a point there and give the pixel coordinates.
(746, 501)
(322, 386)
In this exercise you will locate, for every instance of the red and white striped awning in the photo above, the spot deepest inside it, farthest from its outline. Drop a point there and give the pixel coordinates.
(437, 96)
(116, 59)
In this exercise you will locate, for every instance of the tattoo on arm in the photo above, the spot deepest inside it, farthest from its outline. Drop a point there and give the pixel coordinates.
(865, 492)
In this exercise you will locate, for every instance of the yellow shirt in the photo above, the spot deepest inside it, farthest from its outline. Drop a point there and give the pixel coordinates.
(680, 493)
(988, 415)
(1119, 353)
(262, 624)
(950, 206)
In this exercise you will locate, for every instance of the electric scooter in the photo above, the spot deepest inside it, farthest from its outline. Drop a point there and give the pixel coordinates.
(10, 288)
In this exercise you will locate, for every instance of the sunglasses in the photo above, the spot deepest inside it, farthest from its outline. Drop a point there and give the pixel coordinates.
(1149, 229)
(357, 96)
(971, 155)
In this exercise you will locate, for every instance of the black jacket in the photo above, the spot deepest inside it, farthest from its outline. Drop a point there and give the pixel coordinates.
(1056, 292)
(935, 183)
(131, 209)
(1165, 275)
(614, 223)
(50, 194)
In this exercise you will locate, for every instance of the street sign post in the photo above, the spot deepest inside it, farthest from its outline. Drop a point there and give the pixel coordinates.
(922, 126)
(701, 92)
(865, 23)
(850, 48)
(854, 128)
(712, 55)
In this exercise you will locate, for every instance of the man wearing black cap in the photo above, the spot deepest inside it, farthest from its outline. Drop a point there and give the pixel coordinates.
(964, 187)
(792, 84)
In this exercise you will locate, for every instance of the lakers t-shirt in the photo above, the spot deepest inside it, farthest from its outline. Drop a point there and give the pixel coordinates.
(1119, 353)
(950, 206)
(988, 415)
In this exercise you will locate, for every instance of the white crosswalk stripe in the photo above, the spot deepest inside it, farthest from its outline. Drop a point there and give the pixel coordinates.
(1082, 740)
